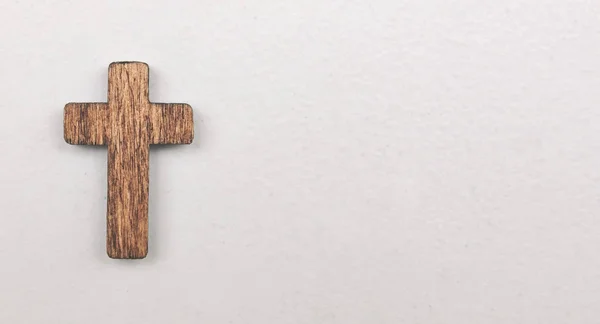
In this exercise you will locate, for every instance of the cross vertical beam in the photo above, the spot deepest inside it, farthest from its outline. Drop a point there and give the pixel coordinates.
(128, 161)
(128, 124)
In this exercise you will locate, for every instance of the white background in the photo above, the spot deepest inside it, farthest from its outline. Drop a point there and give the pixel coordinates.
(355, 162)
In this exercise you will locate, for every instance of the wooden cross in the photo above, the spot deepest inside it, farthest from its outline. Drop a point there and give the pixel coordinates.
(128, 124)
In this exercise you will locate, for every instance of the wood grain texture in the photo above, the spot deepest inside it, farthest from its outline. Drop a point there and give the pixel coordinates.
(128, 124)
(86, 123)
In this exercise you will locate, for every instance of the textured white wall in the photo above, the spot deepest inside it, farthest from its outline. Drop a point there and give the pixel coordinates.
(356, 162)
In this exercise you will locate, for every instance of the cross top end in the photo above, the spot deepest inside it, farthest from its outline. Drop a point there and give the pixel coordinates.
(132, 72)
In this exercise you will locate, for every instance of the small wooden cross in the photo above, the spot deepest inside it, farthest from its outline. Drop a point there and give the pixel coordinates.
(128, 124)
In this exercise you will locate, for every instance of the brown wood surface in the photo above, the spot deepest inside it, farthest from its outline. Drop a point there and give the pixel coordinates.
(128, 124)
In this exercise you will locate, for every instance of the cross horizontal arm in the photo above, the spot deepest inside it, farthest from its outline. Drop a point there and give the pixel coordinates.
(86, 123)
(171, 124)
